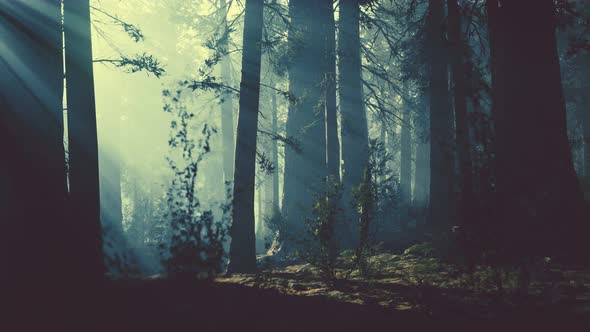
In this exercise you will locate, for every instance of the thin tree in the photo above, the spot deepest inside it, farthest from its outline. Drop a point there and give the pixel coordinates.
(242, 254)
(405, 157)
(227, 117)
(333, 141)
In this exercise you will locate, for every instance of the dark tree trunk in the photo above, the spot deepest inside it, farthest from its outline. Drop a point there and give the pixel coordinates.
(36, 242)
(460, 102)
(585, 118)
(405, 158)
(82, 137)
(540, 203)
(441, 137)
(275, 158)
(227, 118)
(305, 170)
(586, 130)
(422, 168)
(353, 113)
(242, 253)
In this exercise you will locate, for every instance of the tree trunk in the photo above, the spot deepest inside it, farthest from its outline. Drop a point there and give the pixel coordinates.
(354, 118)
(460, 101)
(305, 170)
(422, 168)
(406, 159)
(330, 81)
(275, 158)
(36, 239)
(227, 118)
(82, 137)
(441, 154)
(540, 205)
(242, 253)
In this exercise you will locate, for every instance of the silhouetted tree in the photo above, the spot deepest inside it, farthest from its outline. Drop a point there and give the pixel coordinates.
(82, 136)
(457, 56)
(540, 204)
(36, 235)
(441, 153)
(354, 118)
(242, 254)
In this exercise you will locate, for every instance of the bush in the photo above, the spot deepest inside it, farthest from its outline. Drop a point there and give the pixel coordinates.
(320, 248)
(192, 239)
(424, 250)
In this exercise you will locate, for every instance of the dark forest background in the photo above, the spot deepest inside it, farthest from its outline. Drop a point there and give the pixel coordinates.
(410, 160)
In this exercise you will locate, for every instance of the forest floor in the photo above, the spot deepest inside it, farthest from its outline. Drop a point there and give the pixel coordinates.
(411, 282)
(406, 292)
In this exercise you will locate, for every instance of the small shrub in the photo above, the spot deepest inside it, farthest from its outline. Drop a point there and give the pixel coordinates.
(192, 239)
(320, 247)
(424, 250)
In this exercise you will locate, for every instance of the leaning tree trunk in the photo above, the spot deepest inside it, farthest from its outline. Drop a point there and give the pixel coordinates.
(242, 253)
(540, 205)
(82, 137)
(460, 101)
(441, 153)
(227, 118)
(354, 118)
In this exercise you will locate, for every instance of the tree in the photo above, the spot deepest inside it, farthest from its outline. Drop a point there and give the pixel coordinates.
(441, 154)
(227, 119)
(275, 159)
(457, 57)
(540, 205)
(82, 135)
(305, 168)
(242, 254)
(406, 157)
(37, 235)
(354, 118)
(333, 144)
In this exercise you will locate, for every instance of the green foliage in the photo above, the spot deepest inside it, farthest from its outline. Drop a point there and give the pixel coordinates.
(320, 247)
(424, 250)
(137, 63)
(193, 238)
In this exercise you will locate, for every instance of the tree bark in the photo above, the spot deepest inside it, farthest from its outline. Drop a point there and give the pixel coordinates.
(422, 168)
(305, 170)
(540, 204)
(405, 158)
(275, 158)
(36, 233)
(441, 138)
(82, 136)
(460, 102)
(354, 118)
(242, 253)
